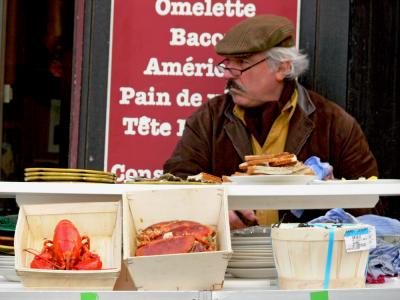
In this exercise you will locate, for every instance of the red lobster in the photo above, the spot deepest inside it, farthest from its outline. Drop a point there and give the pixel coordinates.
(172, 237)
(67, 251)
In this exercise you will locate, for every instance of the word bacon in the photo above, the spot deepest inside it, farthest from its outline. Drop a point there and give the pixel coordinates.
(192, 39)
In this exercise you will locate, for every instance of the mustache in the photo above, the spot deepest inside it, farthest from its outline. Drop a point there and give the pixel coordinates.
(232, 84)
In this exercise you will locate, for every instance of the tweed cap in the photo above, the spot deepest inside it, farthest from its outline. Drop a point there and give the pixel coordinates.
(256, 34)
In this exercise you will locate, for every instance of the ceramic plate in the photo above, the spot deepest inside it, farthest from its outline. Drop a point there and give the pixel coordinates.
(358, 181)
(251, 264)
(253, 273)
(9, 274)
(253, 252)
(7, 240)
(66, 170)
(9, 261)
(251, 257)
(169, 182)
(249, 243)
(63, 174)
(272, 179)
(69, 178)
(6, 257)
(9, 250)
(6, 247)
(251, 239)
(253, 249)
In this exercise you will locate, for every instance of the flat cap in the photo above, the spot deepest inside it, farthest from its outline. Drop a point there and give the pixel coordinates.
(256, 34)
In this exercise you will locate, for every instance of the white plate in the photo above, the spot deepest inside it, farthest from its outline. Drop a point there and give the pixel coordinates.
(252, 249)
(251, 238)
(250, 243)
(251, 264)
(265, 257)
(252, 252)
(6, 265)
(272, 179)
(358, 181)
(253, 273)
(254, 260)
(9, 274)
(251, 257)
(7, 260)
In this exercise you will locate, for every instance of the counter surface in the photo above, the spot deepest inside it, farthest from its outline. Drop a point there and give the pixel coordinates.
(308, 196)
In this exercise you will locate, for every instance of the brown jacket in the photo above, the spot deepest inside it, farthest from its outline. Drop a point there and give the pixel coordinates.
(215, 141)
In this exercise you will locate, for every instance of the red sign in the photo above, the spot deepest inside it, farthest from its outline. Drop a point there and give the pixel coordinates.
(162, 68)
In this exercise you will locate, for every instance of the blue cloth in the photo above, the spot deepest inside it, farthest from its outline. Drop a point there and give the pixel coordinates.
(385, 258)
(321, 169)
(336, 215)
(297, 212)
(384, 226)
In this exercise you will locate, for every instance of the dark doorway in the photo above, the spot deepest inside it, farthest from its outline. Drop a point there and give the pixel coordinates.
(37, 52)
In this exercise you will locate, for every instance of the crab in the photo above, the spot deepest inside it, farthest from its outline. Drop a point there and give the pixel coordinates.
(178, 236)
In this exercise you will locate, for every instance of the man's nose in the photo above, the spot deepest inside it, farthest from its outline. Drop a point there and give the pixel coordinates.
(228, 75)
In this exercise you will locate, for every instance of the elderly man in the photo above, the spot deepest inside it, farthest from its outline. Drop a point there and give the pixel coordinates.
(267, 111)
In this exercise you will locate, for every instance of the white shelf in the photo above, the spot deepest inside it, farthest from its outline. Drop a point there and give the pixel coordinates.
(239, 196)
(236, 289)
(249, 286)
(353, 294)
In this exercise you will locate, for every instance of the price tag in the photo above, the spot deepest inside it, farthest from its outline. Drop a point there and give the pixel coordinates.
(360, 239)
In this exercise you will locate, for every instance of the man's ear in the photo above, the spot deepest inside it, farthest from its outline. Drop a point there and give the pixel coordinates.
(283, 70)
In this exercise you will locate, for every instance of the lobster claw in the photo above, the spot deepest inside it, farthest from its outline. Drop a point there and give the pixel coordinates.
(89, 261)
(43, 260)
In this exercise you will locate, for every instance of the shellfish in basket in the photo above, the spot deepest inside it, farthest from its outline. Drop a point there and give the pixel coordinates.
(172, 237)
(67, 251)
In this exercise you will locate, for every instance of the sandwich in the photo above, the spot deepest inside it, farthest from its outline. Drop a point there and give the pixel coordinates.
(283, 163)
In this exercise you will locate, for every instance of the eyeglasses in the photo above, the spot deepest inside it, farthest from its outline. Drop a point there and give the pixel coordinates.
(234, 71)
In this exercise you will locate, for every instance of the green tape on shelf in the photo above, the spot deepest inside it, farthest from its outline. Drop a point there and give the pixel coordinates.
(89, 296)
(321, 295)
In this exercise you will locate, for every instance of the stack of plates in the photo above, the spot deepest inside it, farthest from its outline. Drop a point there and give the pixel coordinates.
(252, 258)
(7, 269)
(59, 174)
(6, 245)
(7, 230)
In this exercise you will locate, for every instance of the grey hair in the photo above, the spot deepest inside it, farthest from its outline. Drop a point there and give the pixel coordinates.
(299, 61)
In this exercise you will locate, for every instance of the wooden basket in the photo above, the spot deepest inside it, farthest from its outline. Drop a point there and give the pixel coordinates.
(101, 221)
(301, 258)
(189, 271)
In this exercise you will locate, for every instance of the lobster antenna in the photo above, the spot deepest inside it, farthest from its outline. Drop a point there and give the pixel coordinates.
(32, 251)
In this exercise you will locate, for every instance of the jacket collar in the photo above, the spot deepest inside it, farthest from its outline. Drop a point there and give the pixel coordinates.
(301, 125)
(236, 131)
(304, 100)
